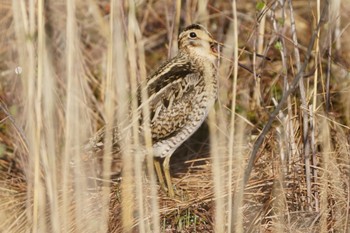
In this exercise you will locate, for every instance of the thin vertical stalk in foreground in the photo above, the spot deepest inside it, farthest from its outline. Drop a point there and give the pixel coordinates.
(153, 208)
(280, 210)
(48, 165)
(314, 106)
(329, 62)
(66, 156)
(336, 12)
(109, 106)
(138, 158)
(230, 220)
(73, 174)
(202, 13)
(217, 174)
(218, 123)
(334, 18)
(38, 202)
(220, 135)
(175, 28)
(318, 15)
(314, 157)
(324, 179)
(239, 161)
(260, 43)
(24, 29)
(70, 112)
(122, 88)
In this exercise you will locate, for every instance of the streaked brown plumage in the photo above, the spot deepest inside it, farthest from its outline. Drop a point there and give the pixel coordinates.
(180, 94)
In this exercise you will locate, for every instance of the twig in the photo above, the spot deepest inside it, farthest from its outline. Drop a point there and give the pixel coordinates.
(329, 64)
(273, 115)
(18, 129)
(305, 116)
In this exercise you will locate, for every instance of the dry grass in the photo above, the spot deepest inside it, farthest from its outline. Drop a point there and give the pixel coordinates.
(272, 156)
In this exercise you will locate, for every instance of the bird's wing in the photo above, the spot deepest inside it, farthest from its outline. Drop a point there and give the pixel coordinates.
(171, 91)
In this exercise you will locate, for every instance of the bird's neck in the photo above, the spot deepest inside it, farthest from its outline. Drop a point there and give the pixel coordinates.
(208, 73)
(200, 53)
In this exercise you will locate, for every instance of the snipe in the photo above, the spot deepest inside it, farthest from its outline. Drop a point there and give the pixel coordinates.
(180, 94)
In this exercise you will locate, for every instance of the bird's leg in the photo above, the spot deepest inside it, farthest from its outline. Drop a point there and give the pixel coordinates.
(167, 176)
(159, 173)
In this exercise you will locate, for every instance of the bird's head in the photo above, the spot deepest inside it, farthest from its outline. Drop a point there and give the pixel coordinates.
(197, 41)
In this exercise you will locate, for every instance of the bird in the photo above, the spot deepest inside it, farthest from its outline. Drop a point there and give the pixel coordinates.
(181, 92)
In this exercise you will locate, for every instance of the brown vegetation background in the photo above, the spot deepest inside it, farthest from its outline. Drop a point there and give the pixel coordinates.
(273, 156)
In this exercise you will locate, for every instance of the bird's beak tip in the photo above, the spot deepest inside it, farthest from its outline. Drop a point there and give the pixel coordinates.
(214, 46)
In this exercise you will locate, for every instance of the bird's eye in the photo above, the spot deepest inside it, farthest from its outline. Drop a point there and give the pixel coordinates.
(193, 35)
